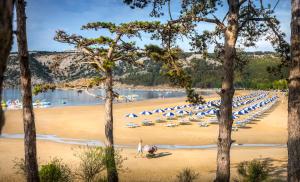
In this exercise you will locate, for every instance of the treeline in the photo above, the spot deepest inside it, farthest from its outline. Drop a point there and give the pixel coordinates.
(254, 75)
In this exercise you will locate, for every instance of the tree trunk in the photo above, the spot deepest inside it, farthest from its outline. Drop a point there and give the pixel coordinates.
(6, 18)
(112, 174)
(294, 97)
(227, 92)
(31, 165)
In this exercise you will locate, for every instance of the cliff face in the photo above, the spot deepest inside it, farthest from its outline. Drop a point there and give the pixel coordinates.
(49, 68)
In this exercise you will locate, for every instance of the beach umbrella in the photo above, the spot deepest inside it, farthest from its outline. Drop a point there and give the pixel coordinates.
(182, 112)
(131, 115)
(146, 113)
(235, 113)
(169, 109)
(199, 107)
(169, 114)
(201, 114)
(211, 111)
(177, 107)
(234, 117)
(158, 111)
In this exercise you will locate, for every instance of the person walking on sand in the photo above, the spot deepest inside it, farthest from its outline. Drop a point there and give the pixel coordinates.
(140, 149)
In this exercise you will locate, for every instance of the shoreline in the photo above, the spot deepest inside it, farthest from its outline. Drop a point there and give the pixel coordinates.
(79, 141)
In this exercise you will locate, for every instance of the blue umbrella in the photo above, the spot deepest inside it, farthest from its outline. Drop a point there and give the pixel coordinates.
(169, 109)
(234, 116)
(169, 114)
(131, 115)
(158, 111)
(199, 107)
(146, 113)
(211, 111)
(201, 114)
(182, 112)
(177, 107)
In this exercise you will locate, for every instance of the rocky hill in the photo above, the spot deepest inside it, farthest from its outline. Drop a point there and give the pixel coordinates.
(49, 67)
(67, 67)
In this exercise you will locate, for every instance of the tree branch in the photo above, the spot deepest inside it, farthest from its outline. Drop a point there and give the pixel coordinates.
(199, 19)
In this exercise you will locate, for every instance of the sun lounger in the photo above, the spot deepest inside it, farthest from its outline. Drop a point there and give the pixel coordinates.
(203, 124)
(147, 123)
(170, 125)
(192, 119)
(132, 125)
(184, 122)
(158, 120)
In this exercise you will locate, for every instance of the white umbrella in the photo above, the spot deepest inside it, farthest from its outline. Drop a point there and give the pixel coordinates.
(177, 107)
(169, 114)
(146, 113)
(131, 115)
(182, 112)
(158, 111)
(201, 114)
(169, 109)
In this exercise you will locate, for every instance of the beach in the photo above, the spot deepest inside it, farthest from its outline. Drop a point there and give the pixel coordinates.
(87, 122)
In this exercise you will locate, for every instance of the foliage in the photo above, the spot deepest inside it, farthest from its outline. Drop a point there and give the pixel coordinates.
(187, 175)
(253, 171)
(93, 161)
(173, 69)
(206, 74)
(55, 171)
(40, 88)
(280, 84)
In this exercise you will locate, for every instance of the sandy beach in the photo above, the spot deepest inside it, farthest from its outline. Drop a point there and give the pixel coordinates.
(86, 122)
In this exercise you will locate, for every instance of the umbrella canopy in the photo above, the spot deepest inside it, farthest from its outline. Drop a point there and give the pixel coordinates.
(199, 107)
(242, 112)
(169, 114)
(211, 111)
(177, 107)
(169, 109)
(158, 111)
(201, 114)
(131, 115)
(146, 113)
(182, 112)
(234, 117)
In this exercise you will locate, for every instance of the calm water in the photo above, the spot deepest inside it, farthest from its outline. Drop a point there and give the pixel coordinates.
(72, 97)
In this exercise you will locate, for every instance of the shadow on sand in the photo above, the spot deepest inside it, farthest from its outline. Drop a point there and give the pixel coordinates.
(278, 168)
(158, 155)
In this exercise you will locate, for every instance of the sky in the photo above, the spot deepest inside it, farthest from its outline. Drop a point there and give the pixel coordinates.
(44, 17)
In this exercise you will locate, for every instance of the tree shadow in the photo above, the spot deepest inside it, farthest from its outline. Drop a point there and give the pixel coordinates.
(277, 168)
(158, 155)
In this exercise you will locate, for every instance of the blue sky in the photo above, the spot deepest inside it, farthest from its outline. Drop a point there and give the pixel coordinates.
(47, 16)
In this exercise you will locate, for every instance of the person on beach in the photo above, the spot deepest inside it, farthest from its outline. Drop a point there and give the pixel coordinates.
(140, 149)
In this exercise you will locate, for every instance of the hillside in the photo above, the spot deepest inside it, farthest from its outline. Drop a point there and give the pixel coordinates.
(64, 67)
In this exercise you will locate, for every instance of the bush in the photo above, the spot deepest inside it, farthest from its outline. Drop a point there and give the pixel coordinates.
(187, 175)
(253, 171)
(93, 162)
(55, 171)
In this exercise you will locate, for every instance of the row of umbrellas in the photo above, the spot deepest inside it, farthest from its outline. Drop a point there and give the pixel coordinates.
(259, 95)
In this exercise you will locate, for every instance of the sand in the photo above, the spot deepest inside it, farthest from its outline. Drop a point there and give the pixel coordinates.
(86, 122)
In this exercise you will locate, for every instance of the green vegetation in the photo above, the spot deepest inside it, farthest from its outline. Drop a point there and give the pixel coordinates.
(187, 175)
(254, 75)
(253, 171)
(93, 162)
(55, 171)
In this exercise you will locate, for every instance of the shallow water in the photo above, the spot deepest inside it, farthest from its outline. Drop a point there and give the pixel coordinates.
(54, 138)
(72, 97)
